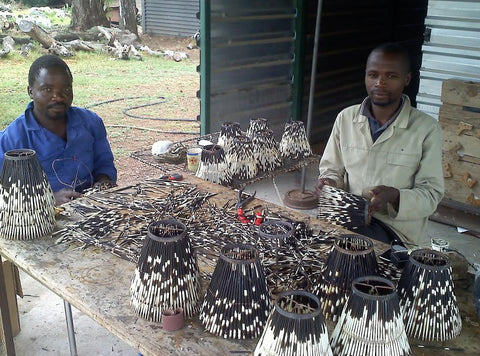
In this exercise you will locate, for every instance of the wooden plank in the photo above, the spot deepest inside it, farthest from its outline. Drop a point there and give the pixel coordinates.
(470, 144)
(460, 113)
(461, 152)
(457, 186)
(6, 329)
(452, 213)
(458, 92)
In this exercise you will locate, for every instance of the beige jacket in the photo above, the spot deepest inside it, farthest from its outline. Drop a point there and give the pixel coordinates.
(407, 156)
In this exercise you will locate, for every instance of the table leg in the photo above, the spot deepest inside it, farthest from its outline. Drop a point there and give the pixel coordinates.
(71, 331)
(7, 326)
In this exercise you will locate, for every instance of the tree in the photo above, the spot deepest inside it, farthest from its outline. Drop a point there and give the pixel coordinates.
(88, 13)
(128, 16)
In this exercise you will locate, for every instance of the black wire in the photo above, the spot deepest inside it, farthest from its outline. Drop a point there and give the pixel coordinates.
(125, 112)
(462, 255)
(153, 118)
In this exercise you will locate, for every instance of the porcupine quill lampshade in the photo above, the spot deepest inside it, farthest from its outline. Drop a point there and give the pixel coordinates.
(266, 151)
(27, 205)
(294, 144)
(213, 166)
(240, 159)
(236, 304)
(352, 256)
(275, 233)
(295, 327)
(427, 297)
(228, 132)
(343, 208)
(166, 276)
(371, 322)
(256, 125)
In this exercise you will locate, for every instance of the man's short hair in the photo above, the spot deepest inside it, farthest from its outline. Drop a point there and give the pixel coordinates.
(395, 49)
(46, 61)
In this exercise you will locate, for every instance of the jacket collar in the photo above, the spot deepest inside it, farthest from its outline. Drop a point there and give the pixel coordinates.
(33, 125)
(402, 119)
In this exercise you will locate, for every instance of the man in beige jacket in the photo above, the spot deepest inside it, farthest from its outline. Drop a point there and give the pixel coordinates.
(387, 151)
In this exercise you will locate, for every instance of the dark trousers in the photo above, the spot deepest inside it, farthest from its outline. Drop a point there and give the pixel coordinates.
(377, 230)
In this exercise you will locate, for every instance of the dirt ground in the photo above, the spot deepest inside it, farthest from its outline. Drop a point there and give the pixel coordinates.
(172, 43)
(138, 135)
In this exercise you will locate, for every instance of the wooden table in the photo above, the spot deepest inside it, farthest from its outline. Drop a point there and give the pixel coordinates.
(97, 283)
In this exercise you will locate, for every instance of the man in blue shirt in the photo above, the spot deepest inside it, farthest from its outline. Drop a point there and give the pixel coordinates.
(70, 142)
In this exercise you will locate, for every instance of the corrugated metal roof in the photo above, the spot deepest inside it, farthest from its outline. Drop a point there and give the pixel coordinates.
(451, 49)
(170, 17)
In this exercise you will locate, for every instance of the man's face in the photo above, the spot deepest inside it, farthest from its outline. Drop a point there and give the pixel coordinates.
(52, 94)
(385, 77)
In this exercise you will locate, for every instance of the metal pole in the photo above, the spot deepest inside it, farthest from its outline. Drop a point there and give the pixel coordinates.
(312, 83)
(205, 65)
(71, 331)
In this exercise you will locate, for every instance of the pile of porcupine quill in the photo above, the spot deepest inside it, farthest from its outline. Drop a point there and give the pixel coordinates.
(117, 221)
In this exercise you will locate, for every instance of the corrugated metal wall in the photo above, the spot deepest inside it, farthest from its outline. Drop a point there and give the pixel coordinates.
(349, 29)
(170, 17)
(451, 49)
(250, 64)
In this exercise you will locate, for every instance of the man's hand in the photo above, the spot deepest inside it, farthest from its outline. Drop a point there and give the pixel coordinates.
(103, 182)
(381, 195)
(324, 181)
(65, 195)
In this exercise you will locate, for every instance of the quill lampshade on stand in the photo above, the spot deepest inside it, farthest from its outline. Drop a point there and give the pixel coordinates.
(228, 132)
(256, 125)
(427, 297)
(295, 327)
(166, 276)
(294, 145)
(241, 159)
(266, 152)
(352, 256)
(27, 203)
(236, 304)
(213, 165)
(371, 322)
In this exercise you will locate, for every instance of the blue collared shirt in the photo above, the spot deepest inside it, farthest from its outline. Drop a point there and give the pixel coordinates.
(375, 128)
(72, 164)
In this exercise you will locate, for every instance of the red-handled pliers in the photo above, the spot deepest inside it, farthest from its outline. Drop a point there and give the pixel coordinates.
(258, 218)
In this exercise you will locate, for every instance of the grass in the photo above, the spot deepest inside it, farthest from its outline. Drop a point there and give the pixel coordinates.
(98, 78)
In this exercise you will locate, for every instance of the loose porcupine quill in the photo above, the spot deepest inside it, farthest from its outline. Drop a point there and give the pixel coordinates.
(343, 208)
(256, 125)
(167, 275)
(27, 203)
(352, 256)
(427, 297)
(130, 209)
(295, 327)
(240, 159)
(266, 151)
(236, 304)
(294, 144)
(228, 132)
(213, 165)
(371, 322)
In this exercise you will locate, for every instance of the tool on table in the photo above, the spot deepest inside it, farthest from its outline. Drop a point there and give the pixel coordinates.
(257, 219)
(173, 176)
